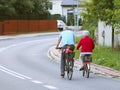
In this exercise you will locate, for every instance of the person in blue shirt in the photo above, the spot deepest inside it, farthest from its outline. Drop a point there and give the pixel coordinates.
(66, 38)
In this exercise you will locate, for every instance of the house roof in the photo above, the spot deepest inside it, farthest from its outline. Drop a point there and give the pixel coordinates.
(69, 2)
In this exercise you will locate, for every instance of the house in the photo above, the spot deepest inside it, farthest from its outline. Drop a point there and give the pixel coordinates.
(70, 11)
(67, 9)
(63, 7)
(55, 7)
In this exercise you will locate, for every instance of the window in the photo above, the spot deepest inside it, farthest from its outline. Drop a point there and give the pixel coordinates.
(50, 5)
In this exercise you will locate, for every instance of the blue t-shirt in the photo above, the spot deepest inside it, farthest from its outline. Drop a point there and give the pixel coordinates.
(67, 37)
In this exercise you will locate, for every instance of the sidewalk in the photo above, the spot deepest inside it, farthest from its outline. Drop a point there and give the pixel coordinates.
(96, 69)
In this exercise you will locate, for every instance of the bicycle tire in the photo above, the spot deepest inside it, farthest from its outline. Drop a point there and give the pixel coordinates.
(70, 69)
(84, 70)
(87, 70)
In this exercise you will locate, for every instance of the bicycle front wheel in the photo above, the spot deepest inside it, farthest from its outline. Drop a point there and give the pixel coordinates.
(70, 69)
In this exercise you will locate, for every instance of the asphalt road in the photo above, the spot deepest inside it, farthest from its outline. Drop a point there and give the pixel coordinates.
(24, 65)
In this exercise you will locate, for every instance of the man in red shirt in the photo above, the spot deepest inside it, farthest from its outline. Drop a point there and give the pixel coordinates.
(86, 46)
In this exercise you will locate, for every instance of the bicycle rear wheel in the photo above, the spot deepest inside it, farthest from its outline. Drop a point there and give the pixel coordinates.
(70, 69)
(87, 70)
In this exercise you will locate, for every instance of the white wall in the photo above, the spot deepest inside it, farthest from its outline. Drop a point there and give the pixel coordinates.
(117, 39)
(108, 36)
(100, 30)
(107, 39)
(57, 8)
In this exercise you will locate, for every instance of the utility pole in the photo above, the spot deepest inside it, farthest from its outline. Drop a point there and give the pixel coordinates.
(77, 14)
(76, 11)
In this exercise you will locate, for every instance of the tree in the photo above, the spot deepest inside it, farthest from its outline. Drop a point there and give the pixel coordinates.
(32, 8)
(107, 11)
(116, 16)
(23, 6)
(41, 8)
(24, 9)
(89, 20)
(6, 8)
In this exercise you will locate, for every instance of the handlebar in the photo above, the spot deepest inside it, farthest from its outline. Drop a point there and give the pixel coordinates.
(59, 48)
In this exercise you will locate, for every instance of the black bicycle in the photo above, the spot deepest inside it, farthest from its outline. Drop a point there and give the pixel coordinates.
(69, 61)
(86, 67)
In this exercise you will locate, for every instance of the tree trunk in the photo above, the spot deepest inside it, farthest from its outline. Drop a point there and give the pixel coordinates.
(112, 38)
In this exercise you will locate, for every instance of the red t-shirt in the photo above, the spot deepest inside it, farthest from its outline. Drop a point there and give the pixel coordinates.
(86, 43)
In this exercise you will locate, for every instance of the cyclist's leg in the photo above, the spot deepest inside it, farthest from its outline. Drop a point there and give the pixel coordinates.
(62, 61)
(90, 61)
(81, 60)
(72, 47)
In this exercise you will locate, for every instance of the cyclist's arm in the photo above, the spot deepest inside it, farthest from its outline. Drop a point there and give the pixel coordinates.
(59, 40)
(93, 44)
(78, 45)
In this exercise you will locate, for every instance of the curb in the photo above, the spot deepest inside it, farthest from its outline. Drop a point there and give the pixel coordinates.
(25, 35)
(54, 54)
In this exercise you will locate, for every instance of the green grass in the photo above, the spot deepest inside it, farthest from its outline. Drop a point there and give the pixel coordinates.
(103, 55)
(107, 57)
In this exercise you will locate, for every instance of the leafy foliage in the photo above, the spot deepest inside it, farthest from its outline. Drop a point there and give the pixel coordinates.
(6, 7)
(9, 9)
(104, 10)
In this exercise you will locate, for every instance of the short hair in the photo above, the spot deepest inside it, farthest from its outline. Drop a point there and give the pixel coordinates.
(86, 33)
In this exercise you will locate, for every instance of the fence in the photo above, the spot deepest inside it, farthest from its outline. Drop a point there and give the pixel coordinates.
(26, 26)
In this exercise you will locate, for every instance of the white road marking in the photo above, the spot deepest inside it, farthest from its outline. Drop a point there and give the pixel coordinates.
(37, 82)
(13, 72)
(50, 87)
(18, 75)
